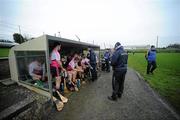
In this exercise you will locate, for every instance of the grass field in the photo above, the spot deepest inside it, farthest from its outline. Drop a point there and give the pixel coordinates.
(4, 52)
(166, 78)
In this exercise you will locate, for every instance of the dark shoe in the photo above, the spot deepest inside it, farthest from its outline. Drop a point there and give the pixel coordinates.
(151, 72)
(119, 95)
(111, 98)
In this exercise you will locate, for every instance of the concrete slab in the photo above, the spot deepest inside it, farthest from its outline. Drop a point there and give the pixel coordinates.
(17, 103)
(17, 108)
(7, 82)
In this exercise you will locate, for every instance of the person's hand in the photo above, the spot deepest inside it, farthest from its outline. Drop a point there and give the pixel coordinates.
(40, 77)
(63, 69)
(146, 57)
(43, 78)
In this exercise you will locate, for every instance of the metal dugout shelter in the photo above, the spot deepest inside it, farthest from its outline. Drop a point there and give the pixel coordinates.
(21, 55)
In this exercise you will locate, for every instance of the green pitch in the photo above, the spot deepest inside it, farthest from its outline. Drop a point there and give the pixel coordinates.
(4, 52)
(166, 78)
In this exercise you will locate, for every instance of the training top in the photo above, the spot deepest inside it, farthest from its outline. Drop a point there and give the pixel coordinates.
(152, 55)
(55, 56)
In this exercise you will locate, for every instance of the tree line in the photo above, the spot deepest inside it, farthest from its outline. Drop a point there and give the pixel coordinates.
(18, 38)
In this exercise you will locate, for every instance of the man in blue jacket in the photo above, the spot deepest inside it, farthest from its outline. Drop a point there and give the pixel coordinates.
(92, 58)
(151, 59)
(119, 64)
(107, 59)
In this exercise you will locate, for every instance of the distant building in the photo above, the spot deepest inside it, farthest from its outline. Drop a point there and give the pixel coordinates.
(7, 43)
(129, 47)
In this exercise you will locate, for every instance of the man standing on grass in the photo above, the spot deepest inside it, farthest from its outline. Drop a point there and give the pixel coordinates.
(151, 59)
(119, 64)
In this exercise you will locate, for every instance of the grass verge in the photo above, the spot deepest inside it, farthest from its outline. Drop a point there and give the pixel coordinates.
(166, 78)
(4, 52)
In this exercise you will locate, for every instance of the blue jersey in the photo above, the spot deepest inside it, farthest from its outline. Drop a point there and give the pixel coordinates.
(107, 56)
(92, 57)
(151, 55)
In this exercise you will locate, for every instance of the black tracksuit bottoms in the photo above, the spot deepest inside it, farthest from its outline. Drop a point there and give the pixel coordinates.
(107, 65)
(151, 66)
(93, 72)
(118, 83)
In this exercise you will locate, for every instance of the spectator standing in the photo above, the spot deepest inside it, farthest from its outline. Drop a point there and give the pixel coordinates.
(151, 59)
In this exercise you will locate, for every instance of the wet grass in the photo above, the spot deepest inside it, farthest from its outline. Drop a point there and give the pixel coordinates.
(4, 52)
(166, 78)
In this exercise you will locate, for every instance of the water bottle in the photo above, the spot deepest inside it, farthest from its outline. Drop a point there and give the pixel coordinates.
(65, 74)
(62, 87)
(61, 74)
(78, 83)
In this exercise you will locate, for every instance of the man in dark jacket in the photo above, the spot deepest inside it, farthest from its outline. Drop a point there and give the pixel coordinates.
(151, 59)
(107, 59)
(119, 64)
(92, 59)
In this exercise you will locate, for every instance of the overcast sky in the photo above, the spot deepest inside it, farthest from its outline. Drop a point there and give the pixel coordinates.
(131, 22)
